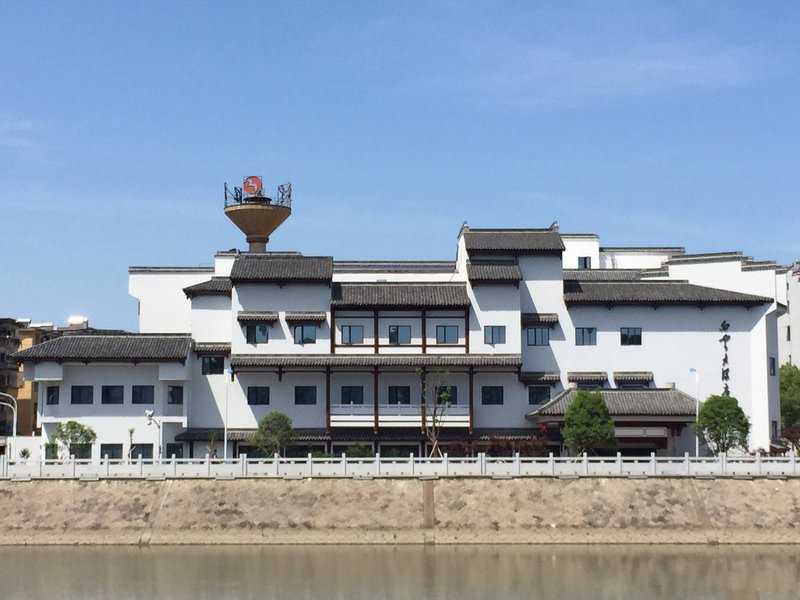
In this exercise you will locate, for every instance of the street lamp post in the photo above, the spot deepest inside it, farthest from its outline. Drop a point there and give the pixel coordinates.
(151, 420)
(694, 372)
(13, 406)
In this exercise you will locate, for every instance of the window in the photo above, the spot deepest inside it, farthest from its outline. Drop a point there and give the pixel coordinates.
(143, 450)
(305, 394)
(112, 451)
(82, 394)
(352, 334)
(175, 449)
(589, 385)
(305, 334)
(213, 365)
(788, 333)
(584, 262)
(399, 394)
(492, 394)
(494, 334)
(447, 334)
(174, 394)
(538, 394)
(111, 394)
(586, 336)
(258, 395)
(257, 334)
(143, 394)
(772, 365)
(83, 451)
(630, 336)
(774, 429)
(399, 334)
(352, 394)
(538, 336)
(446, 393)
(52, 394)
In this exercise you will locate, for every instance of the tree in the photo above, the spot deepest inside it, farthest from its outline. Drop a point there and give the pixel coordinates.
(436, 400)
(723, 424)
(273, 433)
(588, 426)
(789, 377)
(72, 434)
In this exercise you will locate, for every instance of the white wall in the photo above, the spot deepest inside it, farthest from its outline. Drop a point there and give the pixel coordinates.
(576, 246)
(211, 319)
(630, 258)
(163, 307)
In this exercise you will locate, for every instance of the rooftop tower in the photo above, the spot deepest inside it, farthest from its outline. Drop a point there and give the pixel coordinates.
(256, 214)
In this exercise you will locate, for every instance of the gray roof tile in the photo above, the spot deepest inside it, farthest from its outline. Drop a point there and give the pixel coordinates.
(268, 268)
(393, 266)
(650, 402)
(110, 348)
(305, 317)
(216, 286)
(587, 376)
(633, 376)
(212, 348)
(373, 360)
(257, 317)
(602, 274)
(653, 292)
(539, 319)
(399, 294)
(513, 241)
(493, 273)
(540, 377)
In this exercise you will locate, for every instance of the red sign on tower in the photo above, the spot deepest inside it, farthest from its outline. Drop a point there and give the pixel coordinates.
(253, 185)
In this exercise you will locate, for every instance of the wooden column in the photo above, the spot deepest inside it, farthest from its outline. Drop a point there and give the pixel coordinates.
(327, 400)
(422, 382)
(375, 397)
(424, 331)
(375, 330)
(471, 395)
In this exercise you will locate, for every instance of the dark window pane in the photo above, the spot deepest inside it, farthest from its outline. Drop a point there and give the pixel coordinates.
(584, 262)
(213, 365)
(446, 393)
(492, 394)
(305, 334)
(52, 394)
(538, 336)
(258, 395)
(494, 334)
(111, 394)
(82, 394)
(586, 336)
(447, 334)
(399, 394)
(630, 336)
(256, 334)
(174, 394)
(143, 450)
(81, 450)
(113, 451)
(399, 334)
(175, 450)
(305, 394)
(352, 394)
(352, 334)
(143, 394)
(538, 394)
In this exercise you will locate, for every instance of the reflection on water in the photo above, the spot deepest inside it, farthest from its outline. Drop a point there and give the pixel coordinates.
(410, 573)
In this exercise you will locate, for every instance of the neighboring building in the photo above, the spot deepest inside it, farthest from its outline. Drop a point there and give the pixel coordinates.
(520, 319)
(29, 335)
(9, 343)
(789, 322)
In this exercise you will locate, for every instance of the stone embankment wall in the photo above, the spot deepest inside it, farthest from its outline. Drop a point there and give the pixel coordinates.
(399, 511)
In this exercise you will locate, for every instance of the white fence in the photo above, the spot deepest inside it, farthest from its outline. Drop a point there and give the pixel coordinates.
(413, 466)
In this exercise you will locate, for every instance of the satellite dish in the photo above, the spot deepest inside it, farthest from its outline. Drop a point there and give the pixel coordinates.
(253, 185)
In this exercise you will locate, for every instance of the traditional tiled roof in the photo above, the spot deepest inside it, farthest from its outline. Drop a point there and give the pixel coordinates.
(305, 317)
(629, 403)
(281, 268)
(672, 250)
(354, 295)
(587, 376)
(216, 286)
(653, 292)
(375, 360)
(708, 257)
(539, 319)
(513, 241)
(539, 377)
(501, 273)
(602, 274)
(212, 348)
(110, 348)
(633, 376)
(401, 434)
(393, 266)
(257, 317)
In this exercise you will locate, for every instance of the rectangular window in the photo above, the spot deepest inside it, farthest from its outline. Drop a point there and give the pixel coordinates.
(494, 334)
(143, 394)
(788, 333)
(399, 334)
(447, 334)
(538, 394)
(143, 450)
(82, 451)
(111, 394)
(174, 394)
(538, 336)
(774, 430)
(399, 394)
(258, 395)
(772, 365)
(630, 336)
(589, 385)
(305, 394)
(82, 394)
(584, 262)
(586, 336)
(52, 394)
(352, 394)
(492, 394)
(446, 393)
(352, 334)
(213, 365)
(305, 334)
(257, 333)
(175, 449)
(112, 451)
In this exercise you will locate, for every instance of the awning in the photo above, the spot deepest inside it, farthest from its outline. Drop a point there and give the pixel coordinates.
(305, 317)
(257, 317)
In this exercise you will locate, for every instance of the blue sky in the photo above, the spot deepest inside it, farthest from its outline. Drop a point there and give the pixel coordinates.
(647, 123)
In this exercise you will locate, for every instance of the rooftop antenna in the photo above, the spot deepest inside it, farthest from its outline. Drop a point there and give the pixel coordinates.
(256, 214)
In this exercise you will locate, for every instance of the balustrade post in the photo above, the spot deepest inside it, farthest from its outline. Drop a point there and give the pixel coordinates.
(4, 463)
(276, 458)
(108, 466)
(74, 465)
(378, 463)
(551, 463)
(688, 464)
(585, 463)
(482, 462)
(344, 463)
(619, 463)
(411, 462)
(446, 465)
(208, 465)
(243, 458)
(653, 467)
(174, 461)
(141, 466)
(722, 463)
(793, 460)
(758, 463)
(518, 462)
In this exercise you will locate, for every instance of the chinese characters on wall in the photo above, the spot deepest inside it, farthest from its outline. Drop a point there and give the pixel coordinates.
(726, 370)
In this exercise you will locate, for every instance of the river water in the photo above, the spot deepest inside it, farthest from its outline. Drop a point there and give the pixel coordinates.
(409, 573)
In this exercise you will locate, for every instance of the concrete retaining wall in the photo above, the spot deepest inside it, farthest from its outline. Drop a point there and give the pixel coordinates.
(395, 511)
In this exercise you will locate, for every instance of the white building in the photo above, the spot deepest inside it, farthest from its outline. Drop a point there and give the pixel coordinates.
(519, 319)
